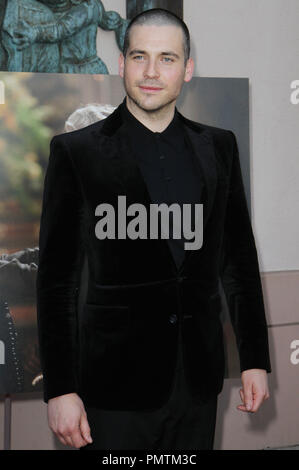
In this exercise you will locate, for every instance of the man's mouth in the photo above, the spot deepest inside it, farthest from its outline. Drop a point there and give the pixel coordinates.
(150, 88)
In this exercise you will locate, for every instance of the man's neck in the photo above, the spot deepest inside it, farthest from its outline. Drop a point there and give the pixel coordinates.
(156, 121)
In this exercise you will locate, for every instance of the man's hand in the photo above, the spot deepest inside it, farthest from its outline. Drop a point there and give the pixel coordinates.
(255, 389)
(68, 420)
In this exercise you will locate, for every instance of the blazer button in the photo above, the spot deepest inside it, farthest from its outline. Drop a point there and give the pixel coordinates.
(173, 318)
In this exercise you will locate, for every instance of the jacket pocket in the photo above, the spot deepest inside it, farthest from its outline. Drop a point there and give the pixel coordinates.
(106, 317)
(106, 332)
(207, 325)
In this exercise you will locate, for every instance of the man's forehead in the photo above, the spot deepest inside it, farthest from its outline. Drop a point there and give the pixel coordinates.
(160, 36)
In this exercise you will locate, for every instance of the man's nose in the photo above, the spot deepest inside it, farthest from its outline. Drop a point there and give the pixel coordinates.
(151, 69)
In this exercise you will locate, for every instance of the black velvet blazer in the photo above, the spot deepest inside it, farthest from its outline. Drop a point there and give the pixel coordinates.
(123, 354)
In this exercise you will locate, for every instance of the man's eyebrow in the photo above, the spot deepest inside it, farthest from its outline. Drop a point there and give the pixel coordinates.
(168, 53)
(173, 54)
(136, 51)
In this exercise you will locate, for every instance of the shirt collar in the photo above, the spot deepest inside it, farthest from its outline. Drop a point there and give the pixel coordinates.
(171, 131)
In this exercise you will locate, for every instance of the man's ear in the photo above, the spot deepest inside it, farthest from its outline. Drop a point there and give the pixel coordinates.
(189, 70)
(121, 64)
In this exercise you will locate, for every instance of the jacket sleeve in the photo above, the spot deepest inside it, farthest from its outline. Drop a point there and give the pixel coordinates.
(58, 274)
(240, 276)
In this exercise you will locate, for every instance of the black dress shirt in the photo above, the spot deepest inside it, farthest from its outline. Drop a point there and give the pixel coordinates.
(169, 172)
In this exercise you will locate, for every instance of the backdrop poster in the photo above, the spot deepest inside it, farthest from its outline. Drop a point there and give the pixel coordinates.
(33, 108)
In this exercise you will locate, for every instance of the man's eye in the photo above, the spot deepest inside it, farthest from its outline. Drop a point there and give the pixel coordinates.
(138, 57)
(167, 59)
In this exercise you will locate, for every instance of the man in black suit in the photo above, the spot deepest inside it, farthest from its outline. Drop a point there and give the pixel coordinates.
(151, 361)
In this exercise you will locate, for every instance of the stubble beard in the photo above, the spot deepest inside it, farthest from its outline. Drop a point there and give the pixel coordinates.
(155, 110)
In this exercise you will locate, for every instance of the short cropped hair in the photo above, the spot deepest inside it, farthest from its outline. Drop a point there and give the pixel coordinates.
(159, 17)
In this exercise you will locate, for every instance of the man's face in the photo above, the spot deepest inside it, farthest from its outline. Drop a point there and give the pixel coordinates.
(154, 70)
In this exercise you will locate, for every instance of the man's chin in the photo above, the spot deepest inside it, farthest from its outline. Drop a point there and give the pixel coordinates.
(150, 106)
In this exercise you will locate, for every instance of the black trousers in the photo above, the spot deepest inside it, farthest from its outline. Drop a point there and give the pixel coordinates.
(180, 424)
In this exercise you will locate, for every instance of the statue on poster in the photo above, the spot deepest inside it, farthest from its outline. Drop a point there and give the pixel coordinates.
(60, 36)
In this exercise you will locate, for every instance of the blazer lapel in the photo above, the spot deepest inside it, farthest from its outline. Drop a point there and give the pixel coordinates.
(204, 154)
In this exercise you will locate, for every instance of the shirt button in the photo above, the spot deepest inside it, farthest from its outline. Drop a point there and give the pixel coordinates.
(162, 157)
(168, 178)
